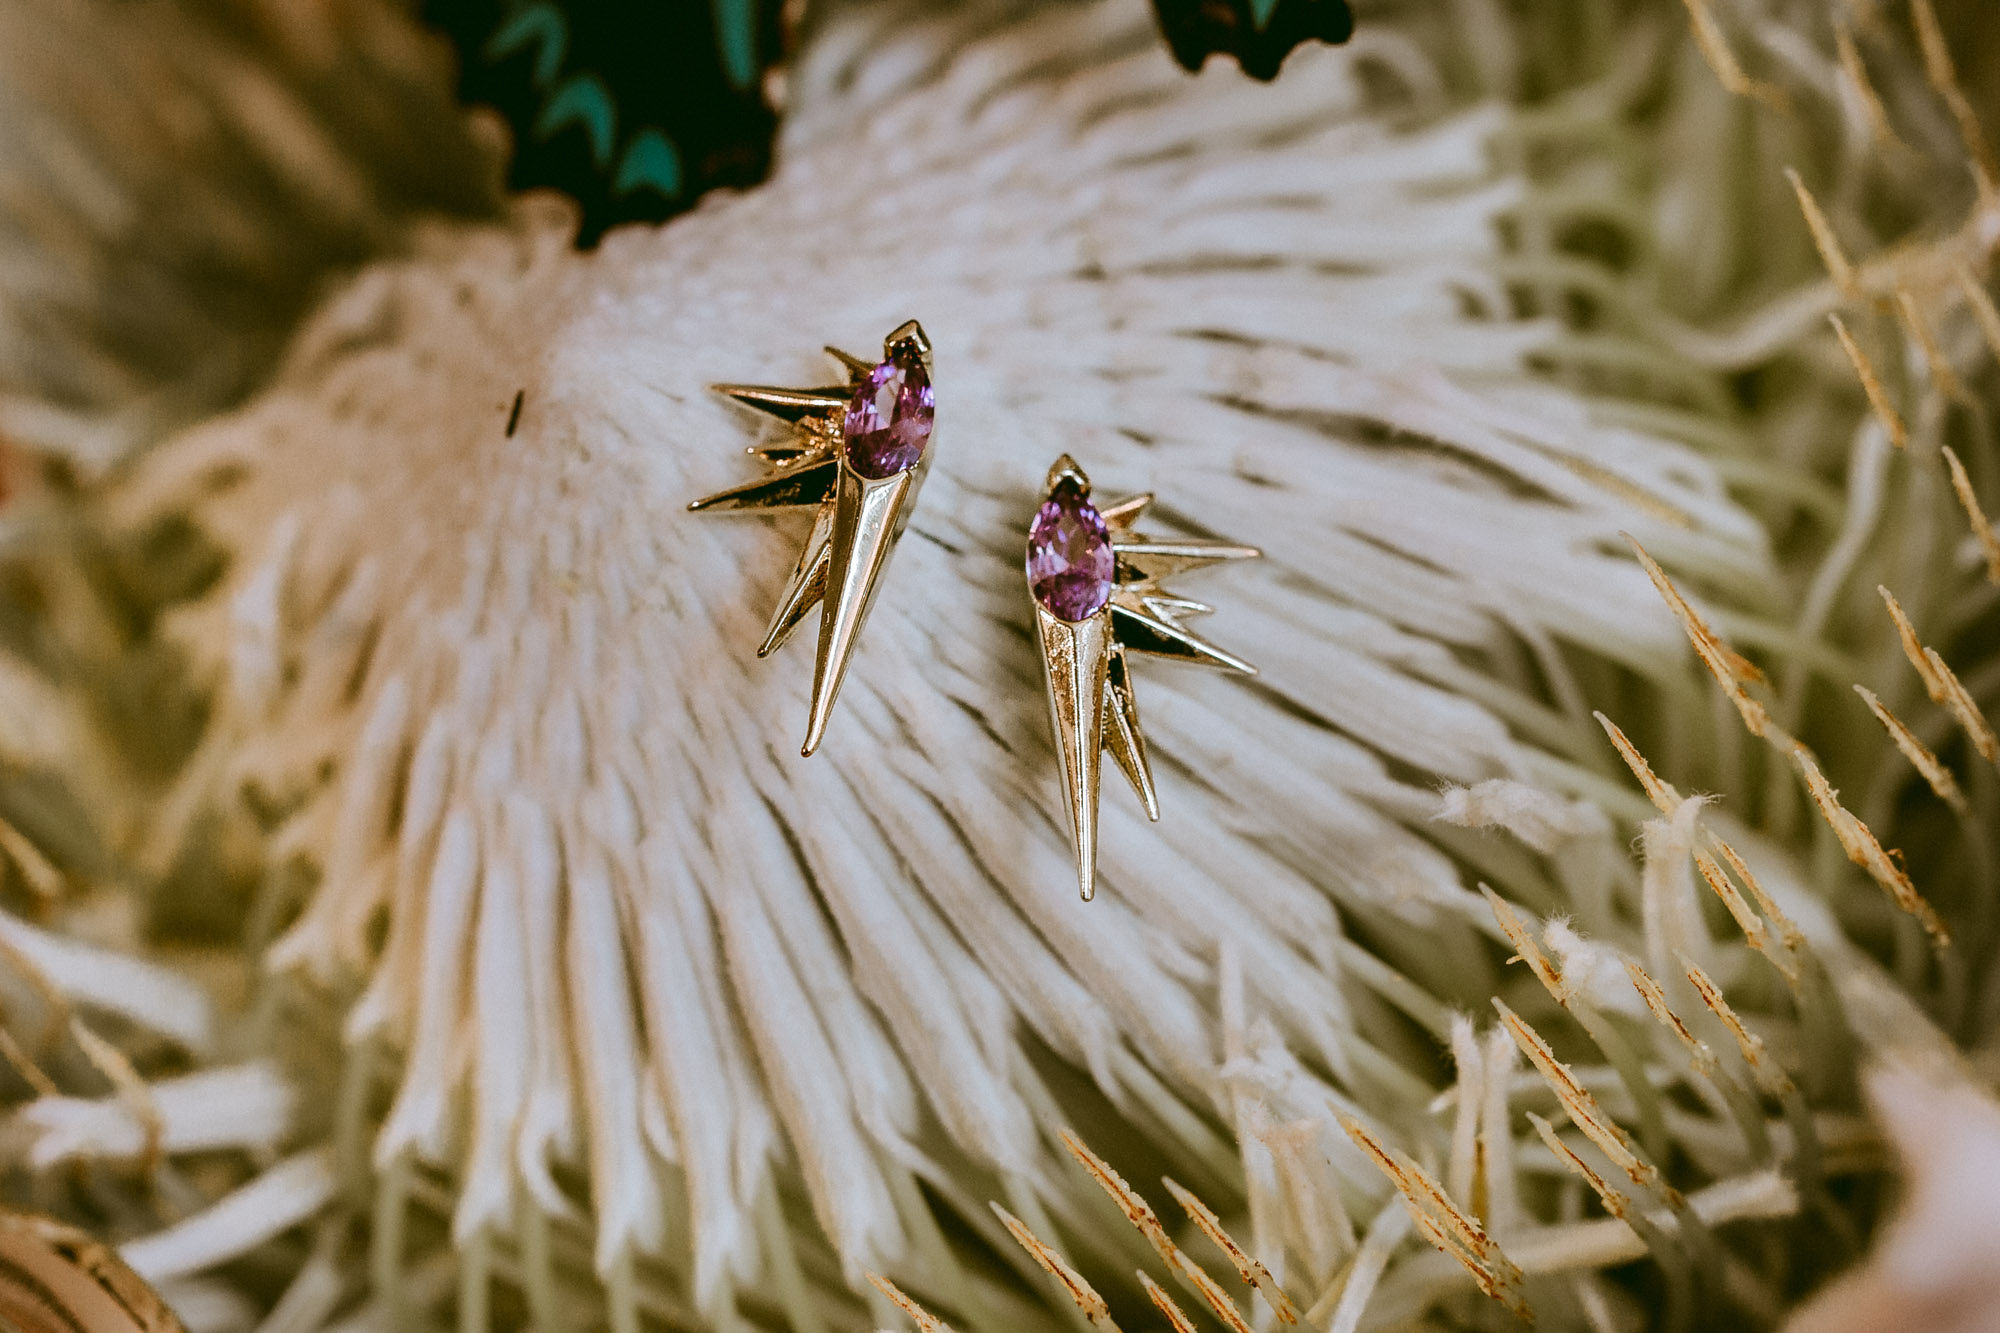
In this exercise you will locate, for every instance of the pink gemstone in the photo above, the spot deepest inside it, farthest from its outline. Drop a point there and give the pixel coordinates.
(889, 419)
(1070, 562)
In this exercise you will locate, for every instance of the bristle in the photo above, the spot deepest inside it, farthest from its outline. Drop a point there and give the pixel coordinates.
(1141, 1215)
(1864, 849)
(132, 1090)
(1176, 1317)
(1838, 266)
(1731, 670)
(1929, 765)
(1250, 1269)
(1871, 384)
(1770, 1078)
(1080, 1291)
(1856, 70)
(925, 1321)
(1982, 527)
(1583, 1108)
(1729, 71)
(1913, 647)
(1525, 948)
(1443, 1222)
(1656, 1002)
(1943, 75)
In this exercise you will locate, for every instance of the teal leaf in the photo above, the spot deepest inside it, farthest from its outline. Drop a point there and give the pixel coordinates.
(1260, 13)
(736, 33)
(650, 163)
(542, 23)
(582, 100)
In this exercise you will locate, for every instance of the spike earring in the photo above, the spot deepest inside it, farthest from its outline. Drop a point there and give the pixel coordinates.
(856, 456)
(1097, 598)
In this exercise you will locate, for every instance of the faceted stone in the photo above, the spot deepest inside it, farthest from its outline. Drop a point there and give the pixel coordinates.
(1071, 566)
(889, 418)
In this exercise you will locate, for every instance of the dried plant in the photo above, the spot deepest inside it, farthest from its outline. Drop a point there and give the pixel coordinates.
(1608, 386)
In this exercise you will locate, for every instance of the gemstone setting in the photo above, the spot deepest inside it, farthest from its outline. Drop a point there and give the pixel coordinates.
(888, 421)
(1072, 569)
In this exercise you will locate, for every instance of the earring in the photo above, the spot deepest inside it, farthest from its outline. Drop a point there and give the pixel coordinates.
(857, 456)
(1095, 585)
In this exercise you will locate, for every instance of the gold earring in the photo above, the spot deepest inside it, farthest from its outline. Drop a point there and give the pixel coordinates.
(1095, 586)
(857, 456)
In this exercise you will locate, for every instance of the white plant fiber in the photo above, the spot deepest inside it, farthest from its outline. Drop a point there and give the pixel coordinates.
(601, 911)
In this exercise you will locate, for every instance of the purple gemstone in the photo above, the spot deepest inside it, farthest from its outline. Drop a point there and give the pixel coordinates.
(889, 419)
(1070, 562)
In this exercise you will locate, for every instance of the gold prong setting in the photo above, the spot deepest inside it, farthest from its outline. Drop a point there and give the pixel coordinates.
(857, 456)
(1095, 585)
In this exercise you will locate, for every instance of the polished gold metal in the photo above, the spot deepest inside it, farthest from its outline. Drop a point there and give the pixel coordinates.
(856, 519)
(1091, 704)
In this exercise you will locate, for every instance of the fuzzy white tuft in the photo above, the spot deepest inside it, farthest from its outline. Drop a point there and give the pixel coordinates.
(507, 680)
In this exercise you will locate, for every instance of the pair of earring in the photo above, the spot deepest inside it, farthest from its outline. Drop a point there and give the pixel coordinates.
(856, 457)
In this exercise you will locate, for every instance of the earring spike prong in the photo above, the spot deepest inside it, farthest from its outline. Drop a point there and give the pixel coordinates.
(787, 405)
(868, 516)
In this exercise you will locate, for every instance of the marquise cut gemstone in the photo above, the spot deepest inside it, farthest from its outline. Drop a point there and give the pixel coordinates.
(889, 418)
(1071, 567)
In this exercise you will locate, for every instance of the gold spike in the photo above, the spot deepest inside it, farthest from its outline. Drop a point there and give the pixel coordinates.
(132, 1090)
(1125, 513)
(1147, 625)
(24, 1065)
(1144, 560)
(1943, 684)
(868, 516)
(788, 405)
(1076, 660)
(1614, 1200)
(856, 367)
(1123, 737)
(806, 587)
(788, 488)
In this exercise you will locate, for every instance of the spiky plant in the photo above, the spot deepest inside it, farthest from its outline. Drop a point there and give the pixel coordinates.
(1518, 943)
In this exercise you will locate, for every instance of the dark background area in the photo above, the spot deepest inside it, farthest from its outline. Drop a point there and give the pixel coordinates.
(635, 108)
